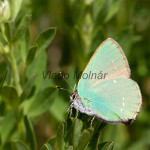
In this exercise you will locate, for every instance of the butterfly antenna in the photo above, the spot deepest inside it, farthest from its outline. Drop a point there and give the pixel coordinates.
(63, 89)
(66, 80)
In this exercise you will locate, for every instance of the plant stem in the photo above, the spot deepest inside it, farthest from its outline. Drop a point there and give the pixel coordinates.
(3, 31)
(15, 70)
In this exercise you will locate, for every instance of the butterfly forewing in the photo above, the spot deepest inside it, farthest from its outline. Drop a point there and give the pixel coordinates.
(109, 60)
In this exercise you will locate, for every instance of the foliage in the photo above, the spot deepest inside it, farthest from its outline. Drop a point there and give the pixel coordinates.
(32, 111)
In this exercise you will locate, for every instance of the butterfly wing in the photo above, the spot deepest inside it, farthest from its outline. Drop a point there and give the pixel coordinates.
(108, 58)
(114, 100)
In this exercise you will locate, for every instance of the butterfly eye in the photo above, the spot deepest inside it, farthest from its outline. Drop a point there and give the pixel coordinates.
(73, 96)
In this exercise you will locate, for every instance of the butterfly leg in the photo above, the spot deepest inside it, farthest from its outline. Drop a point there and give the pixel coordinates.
(70, 109)
(92, 121)
(77, 114)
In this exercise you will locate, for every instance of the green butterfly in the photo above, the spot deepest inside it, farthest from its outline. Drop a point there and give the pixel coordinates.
(116, 98)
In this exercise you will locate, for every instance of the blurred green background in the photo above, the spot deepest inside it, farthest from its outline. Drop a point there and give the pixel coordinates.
(81, 26)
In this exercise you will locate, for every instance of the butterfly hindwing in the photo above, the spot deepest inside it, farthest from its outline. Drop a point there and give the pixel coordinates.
(114, 100)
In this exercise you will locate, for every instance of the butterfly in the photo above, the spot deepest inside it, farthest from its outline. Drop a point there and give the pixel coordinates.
(115, 98)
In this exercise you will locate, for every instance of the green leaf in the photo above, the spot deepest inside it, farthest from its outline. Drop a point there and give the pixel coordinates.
(57, 110)
(78, 124)
(31, 55)
(68, 130)
(112, 10)
(15, 7)
(30, 135)
(27, 88)
(52, 141)
(10, 95)
(46, 147)
(95, 139)
(23, 45)
(7, 126)
(36, 67)
(84, 139)
(42, 102)
(22, 27)
(60, 137)
(45, 38)
(69, 148)
(106, 146)
(19, 145)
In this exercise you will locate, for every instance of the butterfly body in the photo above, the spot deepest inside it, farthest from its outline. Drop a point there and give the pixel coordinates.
(79, 105)
(115, 98)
